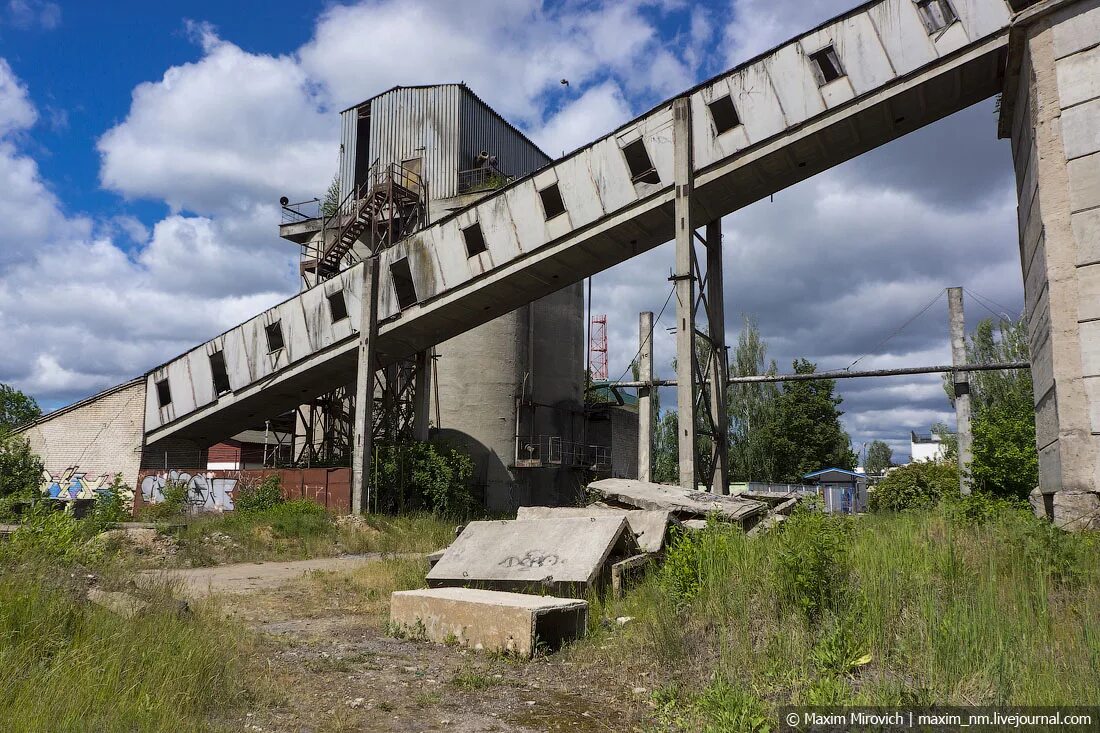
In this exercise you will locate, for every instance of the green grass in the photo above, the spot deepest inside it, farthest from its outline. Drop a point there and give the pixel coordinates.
(300, 529)
(68, 665)
(883, 610)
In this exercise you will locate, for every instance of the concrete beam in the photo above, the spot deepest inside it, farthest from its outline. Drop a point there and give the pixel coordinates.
(719, 368)
(362, 422)
(957, 328)
(685, 290)
(645, 396)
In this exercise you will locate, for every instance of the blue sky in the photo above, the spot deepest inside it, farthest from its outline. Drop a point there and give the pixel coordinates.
(143, 147)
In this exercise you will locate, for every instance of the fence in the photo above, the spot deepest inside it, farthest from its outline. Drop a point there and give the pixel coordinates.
(213, 490)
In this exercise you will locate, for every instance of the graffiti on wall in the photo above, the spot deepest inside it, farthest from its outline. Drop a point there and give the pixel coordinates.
(72, 483)
(205, 491)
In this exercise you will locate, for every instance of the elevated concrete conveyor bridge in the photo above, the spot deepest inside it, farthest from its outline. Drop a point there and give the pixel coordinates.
(853, 83)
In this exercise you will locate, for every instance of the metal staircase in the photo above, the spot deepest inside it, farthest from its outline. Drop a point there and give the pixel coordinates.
(391, 204)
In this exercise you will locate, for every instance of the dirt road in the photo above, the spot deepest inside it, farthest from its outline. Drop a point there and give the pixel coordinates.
(250, 577)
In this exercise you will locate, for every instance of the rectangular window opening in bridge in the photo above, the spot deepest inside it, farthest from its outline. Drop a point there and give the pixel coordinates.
(164, 393)
(936, 14)
(826, 65)
(724, 114)
(403, 284)
(641, 167)
(552, 205)
(274, 336)
(219, 372)
(475, 240)
(337, 308)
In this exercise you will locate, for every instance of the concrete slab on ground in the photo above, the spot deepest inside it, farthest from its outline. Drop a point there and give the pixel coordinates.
(566, 555)
(492, 620)
(684, 504)
(649, 527)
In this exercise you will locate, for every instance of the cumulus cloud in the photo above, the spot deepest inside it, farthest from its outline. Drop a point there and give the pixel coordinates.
(27, 14)
(222, 133)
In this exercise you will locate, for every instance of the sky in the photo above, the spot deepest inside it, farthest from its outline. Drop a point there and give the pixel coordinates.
(144, 147)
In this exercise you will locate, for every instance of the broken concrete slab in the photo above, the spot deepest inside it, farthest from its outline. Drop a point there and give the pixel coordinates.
(568, 555)
(684, 504)
(491, 620)
(434, 557)
(649, 527)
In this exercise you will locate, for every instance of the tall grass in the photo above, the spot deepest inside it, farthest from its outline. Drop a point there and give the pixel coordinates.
(68, 665)
(886, 609)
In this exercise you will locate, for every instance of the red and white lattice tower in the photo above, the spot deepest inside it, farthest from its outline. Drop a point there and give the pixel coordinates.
(597, 348)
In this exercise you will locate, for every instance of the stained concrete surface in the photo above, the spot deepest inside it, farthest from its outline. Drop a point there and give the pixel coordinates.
(649, 527)
(520, 554)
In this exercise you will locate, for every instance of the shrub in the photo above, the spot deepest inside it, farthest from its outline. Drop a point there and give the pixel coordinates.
(109, 504)
(919, 485)
(425, 476)
(725, 707)
(261, 497)
(811, 566)
(173, 502)
(978, 507)
(20, 468)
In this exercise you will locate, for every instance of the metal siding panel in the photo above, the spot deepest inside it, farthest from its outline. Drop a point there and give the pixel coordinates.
(348, 137)
(484, 130)
(409, 123)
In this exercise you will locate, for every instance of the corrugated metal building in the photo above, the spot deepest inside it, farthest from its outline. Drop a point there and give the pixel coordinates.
(437, 130)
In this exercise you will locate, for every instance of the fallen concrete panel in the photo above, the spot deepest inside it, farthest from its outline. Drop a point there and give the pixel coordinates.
(649, 527)
(684, 504)
(491, 620)
(567, 555)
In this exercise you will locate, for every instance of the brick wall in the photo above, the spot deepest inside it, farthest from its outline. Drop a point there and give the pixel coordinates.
(100, 435)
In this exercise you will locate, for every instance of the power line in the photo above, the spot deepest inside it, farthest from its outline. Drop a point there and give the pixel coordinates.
(1006, 313)
(898, 330)
(649, 336)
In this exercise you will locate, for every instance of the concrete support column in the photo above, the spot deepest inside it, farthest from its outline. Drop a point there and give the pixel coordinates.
(1051, 110)
(422, 395)
(684, 277)
(362, 422)
(719, 368)
(957, 328)
(645, 396)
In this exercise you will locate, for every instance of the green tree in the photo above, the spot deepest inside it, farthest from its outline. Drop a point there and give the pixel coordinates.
(16, 408)
(20, 468)
(751, 407)
(805, 434)
(1005, 461)
(879, 458)
(666, 456)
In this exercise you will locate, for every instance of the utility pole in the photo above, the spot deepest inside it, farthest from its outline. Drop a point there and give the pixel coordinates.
(645, 396)
(961, 381)
(362, 422)
(684, 180)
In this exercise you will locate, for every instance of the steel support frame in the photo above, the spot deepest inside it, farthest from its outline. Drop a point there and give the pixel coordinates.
(701, 358)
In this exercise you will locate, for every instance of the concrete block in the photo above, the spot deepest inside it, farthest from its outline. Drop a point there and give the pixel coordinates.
(1078, 77)
(649, 527)
(1092, 389)
(1086, 230)
(1088, 292)
(1075, 28)
(568, 555)
(1081, 129)
(1050, 468)
(1090, 348)
(1076, 510)
(1084, 182)
(491, 620)
(684, 504)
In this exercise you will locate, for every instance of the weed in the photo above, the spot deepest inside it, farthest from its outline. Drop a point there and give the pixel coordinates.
(470, 681)
(261, 497)
(727, 707)
(812, 562)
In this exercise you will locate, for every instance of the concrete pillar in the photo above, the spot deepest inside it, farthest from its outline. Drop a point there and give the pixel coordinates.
(422, 395)
(957, 329)
(645, 396)
(364, 390)
(716, 322)
(684, 179)
(1051, 109)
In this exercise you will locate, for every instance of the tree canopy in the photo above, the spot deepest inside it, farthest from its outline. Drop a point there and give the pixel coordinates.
(16, 408)
(879, 458)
